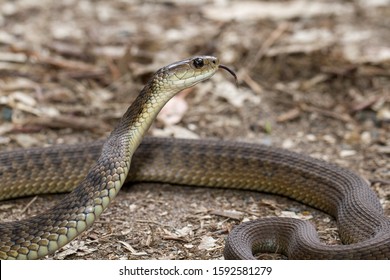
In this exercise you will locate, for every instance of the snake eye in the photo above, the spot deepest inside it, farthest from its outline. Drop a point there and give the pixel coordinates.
(198, 63)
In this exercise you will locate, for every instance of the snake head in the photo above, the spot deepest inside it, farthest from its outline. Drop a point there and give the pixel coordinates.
(188, 72)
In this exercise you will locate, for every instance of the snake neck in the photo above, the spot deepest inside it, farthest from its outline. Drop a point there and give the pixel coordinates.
(138, 118)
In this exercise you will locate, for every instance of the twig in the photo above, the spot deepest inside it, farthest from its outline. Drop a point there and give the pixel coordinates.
(152, 222)
(275, 35)
(312, 109)
(380, 181)
(255, 86)
(366, 103)
(29, 204)
(174, 238)
(78, 123)
(251, 62)
(289, 115)
(331, 114)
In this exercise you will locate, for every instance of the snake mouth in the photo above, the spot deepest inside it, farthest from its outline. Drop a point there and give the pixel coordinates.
(230, 71)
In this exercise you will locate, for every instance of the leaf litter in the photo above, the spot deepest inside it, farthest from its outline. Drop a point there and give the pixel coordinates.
(314, 78)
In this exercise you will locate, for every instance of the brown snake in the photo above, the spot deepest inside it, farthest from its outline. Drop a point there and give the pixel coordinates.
(363, 227)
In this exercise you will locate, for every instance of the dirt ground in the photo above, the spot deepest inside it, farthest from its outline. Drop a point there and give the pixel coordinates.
(314, 77)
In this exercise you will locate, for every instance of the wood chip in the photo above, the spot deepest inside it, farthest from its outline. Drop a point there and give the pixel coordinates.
(13, 57)
(235, 215)
(129, 248)
(289, 115)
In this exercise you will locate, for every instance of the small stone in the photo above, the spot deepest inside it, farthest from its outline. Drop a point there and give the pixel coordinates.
(311, 137)
(329, 138)
(366, 137)
(288, 144)
(347, 153)
(133, 207)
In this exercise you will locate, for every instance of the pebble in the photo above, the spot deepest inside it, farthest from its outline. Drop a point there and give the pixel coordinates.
(329, 138)
(347, 153)
(288, 144)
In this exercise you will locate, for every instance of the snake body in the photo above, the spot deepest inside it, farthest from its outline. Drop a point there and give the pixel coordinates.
(363, 227)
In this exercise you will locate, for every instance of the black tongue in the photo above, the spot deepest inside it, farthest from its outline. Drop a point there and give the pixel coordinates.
(230, 71)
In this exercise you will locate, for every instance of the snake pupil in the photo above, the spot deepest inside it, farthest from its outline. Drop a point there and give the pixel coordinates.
(198, 63)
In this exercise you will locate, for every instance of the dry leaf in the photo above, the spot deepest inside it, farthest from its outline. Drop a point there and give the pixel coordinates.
(207, 243)
(235, 215)
(174, 110)
(236, 97)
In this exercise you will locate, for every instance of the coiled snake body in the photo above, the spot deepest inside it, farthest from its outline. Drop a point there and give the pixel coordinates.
(362, 225)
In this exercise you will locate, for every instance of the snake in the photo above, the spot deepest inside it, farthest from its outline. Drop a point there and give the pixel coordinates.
(93, 173)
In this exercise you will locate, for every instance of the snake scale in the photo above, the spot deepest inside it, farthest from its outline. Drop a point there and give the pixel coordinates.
(363, 227)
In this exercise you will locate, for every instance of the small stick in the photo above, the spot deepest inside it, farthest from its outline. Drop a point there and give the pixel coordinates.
(29, 204)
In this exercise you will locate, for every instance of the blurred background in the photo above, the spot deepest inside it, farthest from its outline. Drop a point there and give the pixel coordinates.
(314, 77)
